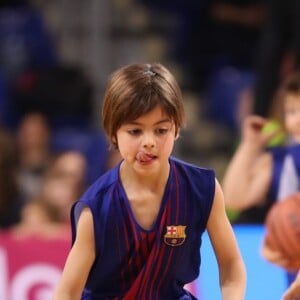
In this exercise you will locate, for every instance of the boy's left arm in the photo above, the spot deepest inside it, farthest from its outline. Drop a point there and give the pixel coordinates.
(231, 265)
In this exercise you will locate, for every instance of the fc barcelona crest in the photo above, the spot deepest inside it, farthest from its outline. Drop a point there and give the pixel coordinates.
(175, 235)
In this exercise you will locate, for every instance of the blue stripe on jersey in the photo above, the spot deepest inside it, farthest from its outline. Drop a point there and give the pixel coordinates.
(294, 150)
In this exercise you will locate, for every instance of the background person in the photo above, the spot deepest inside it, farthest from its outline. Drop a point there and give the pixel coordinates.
(257, 176)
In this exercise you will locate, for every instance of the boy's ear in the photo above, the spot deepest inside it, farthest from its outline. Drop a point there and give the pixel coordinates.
(177, 134)
(114, 141)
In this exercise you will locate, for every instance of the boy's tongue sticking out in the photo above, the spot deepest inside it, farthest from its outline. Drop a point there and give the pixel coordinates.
(143, 157)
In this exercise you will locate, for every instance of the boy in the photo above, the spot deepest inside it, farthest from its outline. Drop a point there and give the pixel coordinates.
(137, 230)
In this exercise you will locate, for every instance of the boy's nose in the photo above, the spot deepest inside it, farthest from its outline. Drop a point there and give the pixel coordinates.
(148, 140)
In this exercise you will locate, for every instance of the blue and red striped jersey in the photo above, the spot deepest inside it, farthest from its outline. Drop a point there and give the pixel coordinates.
(134, 263)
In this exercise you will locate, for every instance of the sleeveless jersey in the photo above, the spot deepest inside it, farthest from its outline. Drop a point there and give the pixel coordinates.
(134, 263)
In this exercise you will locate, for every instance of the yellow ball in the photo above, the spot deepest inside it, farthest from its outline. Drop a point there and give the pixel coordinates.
(279, 138)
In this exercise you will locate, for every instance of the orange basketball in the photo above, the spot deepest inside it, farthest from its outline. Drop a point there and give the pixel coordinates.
(283, 228)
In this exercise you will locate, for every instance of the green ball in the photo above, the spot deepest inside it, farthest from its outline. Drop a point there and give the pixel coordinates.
(232, 215)
(279, 138)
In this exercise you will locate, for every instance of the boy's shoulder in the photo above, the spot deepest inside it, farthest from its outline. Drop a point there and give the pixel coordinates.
(190, 166)
(192, 173)
(101, 185)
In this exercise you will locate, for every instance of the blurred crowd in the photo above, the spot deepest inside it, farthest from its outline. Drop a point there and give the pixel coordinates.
(39, 179)
(50, 150)
(232, 54)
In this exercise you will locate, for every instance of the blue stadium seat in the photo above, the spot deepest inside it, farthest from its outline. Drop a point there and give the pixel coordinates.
(223, 94)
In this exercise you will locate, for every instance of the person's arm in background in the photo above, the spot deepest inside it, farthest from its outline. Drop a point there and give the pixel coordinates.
(293, 291)
(248, 176)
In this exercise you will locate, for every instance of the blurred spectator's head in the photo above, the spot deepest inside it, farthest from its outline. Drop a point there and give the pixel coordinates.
(34, 132)
(70, 166)
(65, 181)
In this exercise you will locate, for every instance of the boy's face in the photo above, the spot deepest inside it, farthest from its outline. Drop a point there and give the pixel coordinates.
(292, 116)
(147, 142)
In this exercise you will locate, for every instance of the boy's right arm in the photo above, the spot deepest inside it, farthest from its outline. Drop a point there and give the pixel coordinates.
(79, 261)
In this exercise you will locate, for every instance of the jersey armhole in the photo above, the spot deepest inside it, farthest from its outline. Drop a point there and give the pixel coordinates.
(99, 222)
(76, 211)
(213, 180)
(210, 196)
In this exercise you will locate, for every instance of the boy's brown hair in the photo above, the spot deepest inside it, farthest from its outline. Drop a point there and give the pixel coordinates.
(135, 90)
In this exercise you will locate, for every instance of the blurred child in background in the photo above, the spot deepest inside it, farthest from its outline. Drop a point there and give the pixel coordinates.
(257, 175)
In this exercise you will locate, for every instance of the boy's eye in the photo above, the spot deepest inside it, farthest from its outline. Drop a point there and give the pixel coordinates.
(161, 130)
(134, 131)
